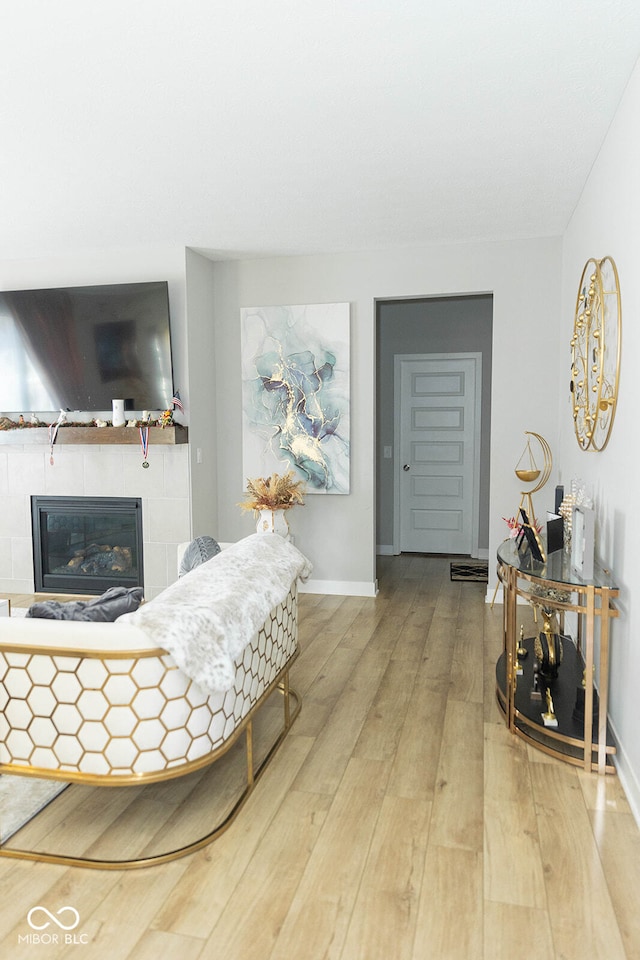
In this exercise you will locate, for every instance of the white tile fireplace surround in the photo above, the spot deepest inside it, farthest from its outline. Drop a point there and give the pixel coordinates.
(95, 471)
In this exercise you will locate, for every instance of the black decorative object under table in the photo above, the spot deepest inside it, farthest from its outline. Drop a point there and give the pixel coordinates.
(555, 706)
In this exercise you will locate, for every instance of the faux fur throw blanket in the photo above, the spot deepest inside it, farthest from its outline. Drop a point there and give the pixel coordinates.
(206, 619)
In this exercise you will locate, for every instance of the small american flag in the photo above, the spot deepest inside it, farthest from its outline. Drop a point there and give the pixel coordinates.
(176, 401)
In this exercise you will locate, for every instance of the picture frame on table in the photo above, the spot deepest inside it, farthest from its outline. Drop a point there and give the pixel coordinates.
(528, 538)
(582, 541)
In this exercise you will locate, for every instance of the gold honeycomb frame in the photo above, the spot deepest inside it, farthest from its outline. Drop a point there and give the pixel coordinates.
(108, 696)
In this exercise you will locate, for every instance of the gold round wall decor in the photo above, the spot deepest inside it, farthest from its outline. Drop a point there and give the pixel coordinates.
(595, 353)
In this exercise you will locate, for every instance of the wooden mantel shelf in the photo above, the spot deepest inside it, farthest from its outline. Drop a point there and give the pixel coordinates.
(89, 434)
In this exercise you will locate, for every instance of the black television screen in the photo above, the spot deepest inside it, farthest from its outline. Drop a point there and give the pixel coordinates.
(79, 348)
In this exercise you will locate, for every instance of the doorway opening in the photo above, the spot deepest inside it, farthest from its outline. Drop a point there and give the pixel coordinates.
(433, 424)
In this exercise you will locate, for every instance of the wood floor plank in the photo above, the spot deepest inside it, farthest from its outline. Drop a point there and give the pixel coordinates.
(514, 932)
(618, 841)
(448, 601)
(252, 919)
(326, 689)
(312, 662)
(450, 913)
(113, 928)
(385, 912)
(157, 945)
(76, 808)
(506, 765)
(579, 903)
(195, 906)
(385, 636)
(438, 650)
(492, 624)
(491, 712)
(366, 615)
(381, 730)
(29, 885)
(413, 635)
(603, 793)
(457, 819)
(334, 745)
(467, 681)
(317, 922)
(342, 619)
(415, 765)
(513, 870)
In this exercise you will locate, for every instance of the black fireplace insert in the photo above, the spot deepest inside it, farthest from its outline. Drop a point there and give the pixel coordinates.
(84, 545)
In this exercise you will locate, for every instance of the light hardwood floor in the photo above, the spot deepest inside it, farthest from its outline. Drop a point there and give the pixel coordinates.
(400, 820)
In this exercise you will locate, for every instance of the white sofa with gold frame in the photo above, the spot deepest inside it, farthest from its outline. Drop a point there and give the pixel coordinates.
(99, 703)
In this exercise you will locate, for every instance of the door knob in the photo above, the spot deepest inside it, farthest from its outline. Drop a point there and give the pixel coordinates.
(406, 467)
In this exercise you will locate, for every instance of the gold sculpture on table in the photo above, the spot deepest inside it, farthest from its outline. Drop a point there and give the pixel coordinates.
(549, 718)
(528, 471)
(548, 646)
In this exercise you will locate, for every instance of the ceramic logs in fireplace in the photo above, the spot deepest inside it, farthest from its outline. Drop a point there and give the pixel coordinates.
(84, 545)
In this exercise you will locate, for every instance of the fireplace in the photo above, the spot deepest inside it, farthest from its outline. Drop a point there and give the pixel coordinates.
(85, 545)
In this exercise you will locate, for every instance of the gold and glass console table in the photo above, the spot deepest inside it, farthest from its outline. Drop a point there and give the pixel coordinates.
(581, 736)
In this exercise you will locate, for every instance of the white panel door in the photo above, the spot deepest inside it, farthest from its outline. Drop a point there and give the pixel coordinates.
(438, 453)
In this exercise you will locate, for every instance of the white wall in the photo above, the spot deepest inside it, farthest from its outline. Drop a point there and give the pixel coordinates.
(338, 532)
(607, 222)
(200, 398)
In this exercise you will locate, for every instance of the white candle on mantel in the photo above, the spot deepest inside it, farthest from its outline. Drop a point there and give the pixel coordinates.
(118, 413)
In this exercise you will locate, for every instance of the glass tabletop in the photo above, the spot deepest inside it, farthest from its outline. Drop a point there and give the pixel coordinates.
(556, 568)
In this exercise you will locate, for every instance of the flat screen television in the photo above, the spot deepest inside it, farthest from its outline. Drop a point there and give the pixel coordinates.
(79, 348)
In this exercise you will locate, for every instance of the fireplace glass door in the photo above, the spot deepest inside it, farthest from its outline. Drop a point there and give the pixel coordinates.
(84, 545)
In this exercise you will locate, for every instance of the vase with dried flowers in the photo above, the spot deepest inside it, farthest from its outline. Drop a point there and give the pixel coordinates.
(269, 498)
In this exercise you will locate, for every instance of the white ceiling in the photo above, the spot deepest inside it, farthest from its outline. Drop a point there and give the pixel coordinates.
(254, 127)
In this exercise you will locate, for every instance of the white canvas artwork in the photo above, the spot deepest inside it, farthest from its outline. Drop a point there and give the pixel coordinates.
(295, 381)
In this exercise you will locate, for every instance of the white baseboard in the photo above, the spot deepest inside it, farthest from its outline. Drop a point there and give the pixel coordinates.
(386, 550)
(499, 595)
(341, 588)
(627, 776)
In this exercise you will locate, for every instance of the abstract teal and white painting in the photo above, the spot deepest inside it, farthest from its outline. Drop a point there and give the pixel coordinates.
(295, 382)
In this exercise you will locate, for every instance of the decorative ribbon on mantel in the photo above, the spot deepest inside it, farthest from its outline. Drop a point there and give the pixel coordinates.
(144, 443)
(53, 433)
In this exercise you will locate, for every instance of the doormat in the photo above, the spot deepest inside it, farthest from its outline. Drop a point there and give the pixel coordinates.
(472, 570)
